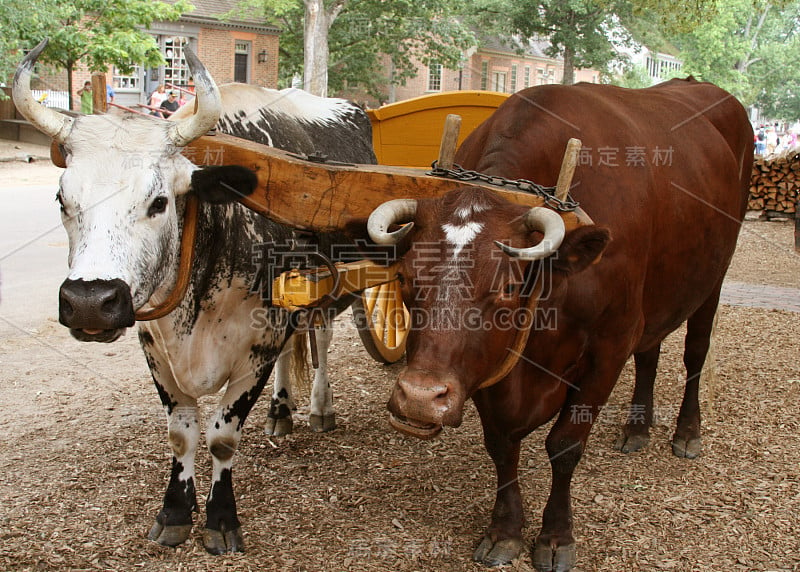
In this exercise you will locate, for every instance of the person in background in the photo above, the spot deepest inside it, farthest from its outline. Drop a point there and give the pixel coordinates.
(110, 94)
(761, 141)
(157, 98)
(85, 94)
(170, 105)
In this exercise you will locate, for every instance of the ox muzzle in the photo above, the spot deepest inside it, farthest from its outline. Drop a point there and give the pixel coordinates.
(422, 402)
(95, 310)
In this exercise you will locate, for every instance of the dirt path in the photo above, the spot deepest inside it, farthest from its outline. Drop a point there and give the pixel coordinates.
(84, 458)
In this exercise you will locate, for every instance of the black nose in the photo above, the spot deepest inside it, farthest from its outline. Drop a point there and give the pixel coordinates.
(95, 304)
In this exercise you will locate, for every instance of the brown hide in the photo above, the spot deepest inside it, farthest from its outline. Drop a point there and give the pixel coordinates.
(665, 171)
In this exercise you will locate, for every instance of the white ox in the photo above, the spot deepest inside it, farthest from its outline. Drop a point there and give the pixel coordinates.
(122, 199)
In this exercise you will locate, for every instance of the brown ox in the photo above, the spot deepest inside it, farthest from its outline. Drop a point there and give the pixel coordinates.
(664, 175)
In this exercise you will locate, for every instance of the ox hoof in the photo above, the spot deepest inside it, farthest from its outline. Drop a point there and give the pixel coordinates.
(222, 542)
(322, 423)
(172, 535)
(558, 559)
(279, 427)
(498, 553)
(631, 443)
(688, 449)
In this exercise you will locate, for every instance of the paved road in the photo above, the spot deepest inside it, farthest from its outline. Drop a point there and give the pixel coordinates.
(760, 296)
(33, 256)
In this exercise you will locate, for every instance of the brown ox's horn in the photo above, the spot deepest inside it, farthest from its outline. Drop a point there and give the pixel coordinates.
(391, 212)
(548, 223)
(48, 121)
(209, 105)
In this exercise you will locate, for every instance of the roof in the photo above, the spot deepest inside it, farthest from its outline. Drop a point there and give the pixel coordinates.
(533, 48)
(214, 12)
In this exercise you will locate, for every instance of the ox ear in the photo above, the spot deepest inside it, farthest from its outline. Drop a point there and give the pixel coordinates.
(58, 154)
(581, 247)
(223, 184)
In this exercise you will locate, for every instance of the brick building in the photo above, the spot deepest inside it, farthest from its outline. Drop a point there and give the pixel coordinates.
(238, 49)
(493, 66)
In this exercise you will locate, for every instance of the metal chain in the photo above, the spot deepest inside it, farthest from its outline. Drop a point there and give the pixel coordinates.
(524, 185)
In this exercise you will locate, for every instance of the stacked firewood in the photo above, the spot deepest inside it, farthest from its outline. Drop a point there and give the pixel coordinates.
(775, 182)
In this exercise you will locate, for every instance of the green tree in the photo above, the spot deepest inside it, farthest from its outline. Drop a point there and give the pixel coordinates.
(97, 33)
(750, 49)
(586, 33)
(17, 20)
(361, 34)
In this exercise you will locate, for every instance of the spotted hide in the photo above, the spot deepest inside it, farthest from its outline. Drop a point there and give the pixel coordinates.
(122, 198)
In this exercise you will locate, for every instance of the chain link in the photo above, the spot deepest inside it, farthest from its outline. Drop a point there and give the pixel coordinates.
(524, 185)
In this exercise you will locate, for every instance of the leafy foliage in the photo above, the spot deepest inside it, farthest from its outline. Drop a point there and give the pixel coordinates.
(750, 49)
(367, 33)
(586, 33)
(95, 32)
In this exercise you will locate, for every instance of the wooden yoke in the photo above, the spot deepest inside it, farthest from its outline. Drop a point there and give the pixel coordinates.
(324, 197)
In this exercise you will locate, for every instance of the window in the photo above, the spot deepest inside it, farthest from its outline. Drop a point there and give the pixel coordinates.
(513, 78)
(176, 71)
(484, 75)
(435, 77)
(541, 78)
(527, 78)
(499, 81)
(241, 61)
(123, 82)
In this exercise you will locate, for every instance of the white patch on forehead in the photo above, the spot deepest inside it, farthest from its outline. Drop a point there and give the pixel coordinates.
(465, 213)
(461, 235)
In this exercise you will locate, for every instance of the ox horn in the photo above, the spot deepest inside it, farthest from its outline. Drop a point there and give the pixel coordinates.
(209, 105)
(48, 121)
(389, 213)
(545, 221)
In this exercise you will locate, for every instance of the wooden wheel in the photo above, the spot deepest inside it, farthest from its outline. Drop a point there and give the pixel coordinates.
(382, 321)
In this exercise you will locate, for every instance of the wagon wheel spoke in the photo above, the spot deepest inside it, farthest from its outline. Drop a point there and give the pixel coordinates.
(383, 321)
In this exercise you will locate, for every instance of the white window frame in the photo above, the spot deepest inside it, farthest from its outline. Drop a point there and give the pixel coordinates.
(435, 77)
(496, 81)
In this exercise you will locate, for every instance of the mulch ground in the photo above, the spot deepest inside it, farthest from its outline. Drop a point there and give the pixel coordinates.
(84, 462)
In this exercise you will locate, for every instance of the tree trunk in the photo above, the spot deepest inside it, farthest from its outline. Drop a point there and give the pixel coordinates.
(569, 66)
(315, 56)
(69, 67)
(318, 22)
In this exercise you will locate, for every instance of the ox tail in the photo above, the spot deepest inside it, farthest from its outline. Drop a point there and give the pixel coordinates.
(299, 372)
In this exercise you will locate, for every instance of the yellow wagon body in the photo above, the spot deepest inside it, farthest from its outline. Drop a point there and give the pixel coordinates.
(408, 133)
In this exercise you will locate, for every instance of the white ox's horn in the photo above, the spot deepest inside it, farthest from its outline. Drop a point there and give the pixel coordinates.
(209, 105)
(391, 212)
(548, 223)
(48, 121)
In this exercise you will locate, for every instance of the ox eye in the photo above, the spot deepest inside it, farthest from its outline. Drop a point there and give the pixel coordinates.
(159, 205)
(60, 201)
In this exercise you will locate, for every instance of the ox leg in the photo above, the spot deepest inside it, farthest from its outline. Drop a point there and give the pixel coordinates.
(322, 417)
(554, 549)
(636, 431)
(503, 541)
(174, 522)
(279, 419)
(223, 532)
(686, 440)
